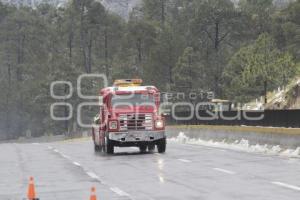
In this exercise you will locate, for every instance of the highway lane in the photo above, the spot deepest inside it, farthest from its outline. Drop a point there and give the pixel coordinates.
(68, 169)
(55, 178)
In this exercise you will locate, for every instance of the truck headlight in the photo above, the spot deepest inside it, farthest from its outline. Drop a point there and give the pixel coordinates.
(159, 123)
(113, 125)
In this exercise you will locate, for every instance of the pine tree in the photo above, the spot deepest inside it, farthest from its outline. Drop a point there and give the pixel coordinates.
(255, 64)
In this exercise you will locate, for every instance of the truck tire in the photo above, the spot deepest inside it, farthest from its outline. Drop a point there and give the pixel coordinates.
(151, 147)
(161, 146)
(109, 147)
(143, 148)
(97, 148)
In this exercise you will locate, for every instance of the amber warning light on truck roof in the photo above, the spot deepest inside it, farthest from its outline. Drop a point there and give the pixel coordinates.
(128, 82)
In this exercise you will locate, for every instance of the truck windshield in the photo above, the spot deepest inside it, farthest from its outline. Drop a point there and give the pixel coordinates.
(132, 99)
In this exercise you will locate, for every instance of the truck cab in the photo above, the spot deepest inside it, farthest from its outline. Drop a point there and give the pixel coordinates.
(129, 116)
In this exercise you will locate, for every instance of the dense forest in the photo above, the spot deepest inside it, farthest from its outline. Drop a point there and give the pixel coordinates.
(177, 45)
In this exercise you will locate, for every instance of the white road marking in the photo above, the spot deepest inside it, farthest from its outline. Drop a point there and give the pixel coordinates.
(77, 164)
(285, 185)
(184, 160)
(118, 191)
(92, 175)
(65, 156)
(35, 143)
(224, 171)
(161, 179)
(89, 173)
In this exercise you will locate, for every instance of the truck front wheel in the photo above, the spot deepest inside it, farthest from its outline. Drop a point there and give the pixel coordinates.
(109, 147)
(151, 147)
(97, 148)
(161, 146)
(143, 148)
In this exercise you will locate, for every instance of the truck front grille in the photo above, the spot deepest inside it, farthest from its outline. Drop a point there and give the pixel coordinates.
(136, 121)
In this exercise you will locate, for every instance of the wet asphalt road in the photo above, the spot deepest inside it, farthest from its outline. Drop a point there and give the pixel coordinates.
(67, 170)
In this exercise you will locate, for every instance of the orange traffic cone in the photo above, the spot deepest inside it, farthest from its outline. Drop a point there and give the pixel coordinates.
(93, 194)
(31, 190)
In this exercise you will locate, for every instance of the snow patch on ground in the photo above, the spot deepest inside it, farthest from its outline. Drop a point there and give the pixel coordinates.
(298, 82)
(242, 145)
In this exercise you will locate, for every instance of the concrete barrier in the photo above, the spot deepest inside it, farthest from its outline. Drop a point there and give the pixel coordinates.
(285, 137)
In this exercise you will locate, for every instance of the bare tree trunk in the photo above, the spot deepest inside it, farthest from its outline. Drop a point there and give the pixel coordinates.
(90, 48)
(83, 38)
(70, 46)
(170, 67)
(163, 18)
(139, 48)
(19, 72)
(140, 58)
(8, 96)
(106, 54)
(218, 68)
(217, 36)
(66, 89)
(190, 72)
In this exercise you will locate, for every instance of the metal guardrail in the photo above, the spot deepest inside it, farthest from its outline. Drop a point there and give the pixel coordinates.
(267, 118)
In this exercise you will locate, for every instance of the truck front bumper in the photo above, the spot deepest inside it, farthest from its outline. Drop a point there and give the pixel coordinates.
(137, 136)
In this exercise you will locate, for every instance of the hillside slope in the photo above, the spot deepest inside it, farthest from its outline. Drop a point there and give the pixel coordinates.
(287, 97)
(120, 7)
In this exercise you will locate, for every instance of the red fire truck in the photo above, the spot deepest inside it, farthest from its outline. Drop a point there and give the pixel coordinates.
(129, 116)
